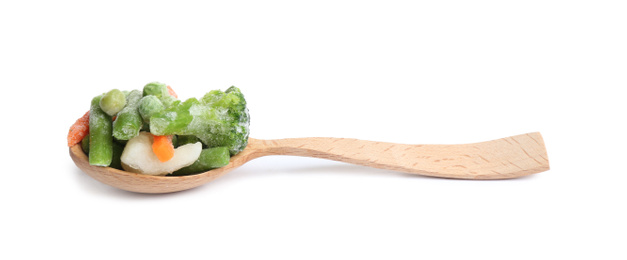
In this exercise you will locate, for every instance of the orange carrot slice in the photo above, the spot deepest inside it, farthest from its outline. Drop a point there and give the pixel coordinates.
(78, 130)
(162, 147)
(172, 93)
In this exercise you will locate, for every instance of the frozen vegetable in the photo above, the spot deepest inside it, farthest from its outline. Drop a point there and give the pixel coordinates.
(171, 92)
(128, 122)
(162, 147)
(112, 102)
(117, 152)
(78, 130)
(210, 158)
(138, 156)
(100, 138)
(218, 119)
(161, 91)
(148, 106)
(85, 144)
(150, 131)
(185, 139)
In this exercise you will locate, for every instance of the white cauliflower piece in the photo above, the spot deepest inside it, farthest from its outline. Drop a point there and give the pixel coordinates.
(138, 156)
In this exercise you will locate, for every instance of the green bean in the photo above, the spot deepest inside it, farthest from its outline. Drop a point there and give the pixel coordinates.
(210, 158)
(122, 142)
(85, 144)
(175, 140)
(129, 122)
(116, 161)
(145, 128)
(112, 102)
(100, 139)
(186, 139)
(148, 106)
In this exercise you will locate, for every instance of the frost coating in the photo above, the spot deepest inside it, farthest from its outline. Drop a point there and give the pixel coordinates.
(148, 106)
(100, 141)
(129, 122)
(112, 102)
(218, 119)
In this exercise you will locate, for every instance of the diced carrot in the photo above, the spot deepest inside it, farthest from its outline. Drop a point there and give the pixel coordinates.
(172, 93)
(78, 130)
(162, 147)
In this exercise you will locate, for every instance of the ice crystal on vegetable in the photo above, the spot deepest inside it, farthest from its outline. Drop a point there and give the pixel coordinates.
(218, 119)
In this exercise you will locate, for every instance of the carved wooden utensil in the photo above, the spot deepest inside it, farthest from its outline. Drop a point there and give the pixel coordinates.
(504, 158)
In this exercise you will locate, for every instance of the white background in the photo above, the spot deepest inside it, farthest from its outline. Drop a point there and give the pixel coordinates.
(422, 72)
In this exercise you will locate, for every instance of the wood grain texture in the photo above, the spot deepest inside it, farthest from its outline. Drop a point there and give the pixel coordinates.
(504, 158)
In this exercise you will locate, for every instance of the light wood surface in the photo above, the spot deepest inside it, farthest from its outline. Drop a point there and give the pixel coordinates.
(504, 158)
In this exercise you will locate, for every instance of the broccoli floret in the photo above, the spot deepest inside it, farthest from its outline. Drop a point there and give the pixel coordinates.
(230, 108)
(218, 119)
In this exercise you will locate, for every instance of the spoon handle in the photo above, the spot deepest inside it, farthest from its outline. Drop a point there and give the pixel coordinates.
(503, 158)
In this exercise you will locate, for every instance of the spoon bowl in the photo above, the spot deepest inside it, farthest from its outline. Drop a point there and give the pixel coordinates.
(504, 158)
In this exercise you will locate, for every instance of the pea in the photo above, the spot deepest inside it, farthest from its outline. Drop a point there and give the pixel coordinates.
(112, 102)
(148, 106)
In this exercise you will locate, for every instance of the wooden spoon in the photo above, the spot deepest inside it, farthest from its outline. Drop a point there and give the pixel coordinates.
(504, 158)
